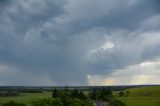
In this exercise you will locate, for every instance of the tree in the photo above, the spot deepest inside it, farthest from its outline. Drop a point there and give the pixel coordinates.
(57, 102)
(121, 93)
(127, 93)
(93, 94)
(82, 96)
(56, 93)
(101, 94)
(75, 93)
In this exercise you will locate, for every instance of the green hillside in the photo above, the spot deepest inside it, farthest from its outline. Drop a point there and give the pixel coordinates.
(145, 96)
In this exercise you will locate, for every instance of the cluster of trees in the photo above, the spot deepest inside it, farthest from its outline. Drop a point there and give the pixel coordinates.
(105, 95)
(71, 97)
(60, 102)
(122, 93)
(75, 97)
(69, 94)
(101, 94)
(9, 93)
(30, 91)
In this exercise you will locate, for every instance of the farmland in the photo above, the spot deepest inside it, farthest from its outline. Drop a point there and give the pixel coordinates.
(25, 97)
(145, 96)
(136, 96)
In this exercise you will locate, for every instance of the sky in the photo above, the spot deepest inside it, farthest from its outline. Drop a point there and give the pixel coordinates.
(79, 42)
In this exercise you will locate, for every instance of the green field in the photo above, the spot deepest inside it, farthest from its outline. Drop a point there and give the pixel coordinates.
(145, 96)
(25, 97)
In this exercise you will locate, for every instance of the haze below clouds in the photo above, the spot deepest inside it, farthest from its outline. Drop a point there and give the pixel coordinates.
(79, 42)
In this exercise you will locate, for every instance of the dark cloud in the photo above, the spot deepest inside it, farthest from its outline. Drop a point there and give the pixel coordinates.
(4, 2)
(67, 40)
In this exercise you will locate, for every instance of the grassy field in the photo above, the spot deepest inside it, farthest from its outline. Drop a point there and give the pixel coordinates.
(146, 96)
(25, 97)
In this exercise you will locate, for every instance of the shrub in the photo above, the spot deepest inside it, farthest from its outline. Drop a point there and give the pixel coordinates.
(41, 102)
(12, 103)
(117, 103)
(60, 102)
(121, 93)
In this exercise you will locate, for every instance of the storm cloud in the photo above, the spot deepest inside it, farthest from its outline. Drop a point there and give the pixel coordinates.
(68, 42)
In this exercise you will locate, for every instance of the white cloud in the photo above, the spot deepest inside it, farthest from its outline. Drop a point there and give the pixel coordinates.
(105, 47)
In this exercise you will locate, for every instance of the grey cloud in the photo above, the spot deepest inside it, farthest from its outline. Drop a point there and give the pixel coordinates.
(4, 3)
(56, 37)
(110, 14)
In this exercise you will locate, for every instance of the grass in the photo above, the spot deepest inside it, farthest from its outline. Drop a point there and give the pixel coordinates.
(150, 91)
(140, 101)
(25, 97)
(145, 96)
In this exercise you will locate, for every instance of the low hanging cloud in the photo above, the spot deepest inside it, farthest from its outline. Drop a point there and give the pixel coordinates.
(68, 42)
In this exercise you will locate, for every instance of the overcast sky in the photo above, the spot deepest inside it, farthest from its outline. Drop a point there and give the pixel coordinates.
(79, 42)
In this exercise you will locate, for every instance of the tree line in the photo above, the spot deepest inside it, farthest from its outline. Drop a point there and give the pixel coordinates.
(75, 97)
